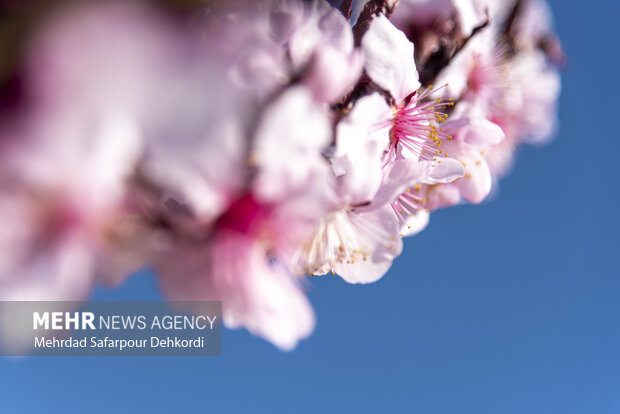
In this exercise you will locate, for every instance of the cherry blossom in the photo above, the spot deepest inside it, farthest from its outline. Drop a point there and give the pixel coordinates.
(242, 147)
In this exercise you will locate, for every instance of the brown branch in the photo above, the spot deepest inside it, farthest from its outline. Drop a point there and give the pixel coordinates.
(474, 32)
(437, 61)
(512, 19)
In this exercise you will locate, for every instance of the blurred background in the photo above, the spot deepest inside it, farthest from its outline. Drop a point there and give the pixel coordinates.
(522, 317)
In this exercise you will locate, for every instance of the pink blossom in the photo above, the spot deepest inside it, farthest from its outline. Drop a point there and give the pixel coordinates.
(258, 145)
(359, 242)
(235, 266)
(270, 43)
(243, 256)
(72, 147)
(516, 91)
(412, 122)
(535, 84)
(380, 151)
(519, 94)
(470, 140)
(478, 74)
(321, 37)
(533, 19)
(359, 245)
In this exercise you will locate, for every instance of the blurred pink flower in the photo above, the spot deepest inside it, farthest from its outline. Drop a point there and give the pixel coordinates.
(531, 116)
(248, 248)
(518, 93)
(72, 147)
(257, 145)
(477, 74)
(270, 43)
(319, 42)
(532, 20)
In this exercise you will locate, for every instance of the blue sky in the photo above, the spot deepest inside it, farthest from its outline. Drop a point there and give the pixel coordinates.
(511, 307)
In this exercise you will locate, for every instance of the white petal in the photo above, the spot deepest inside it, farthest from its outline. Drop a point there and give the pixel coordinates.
(445, 170)
(360, 142)
(475, 186)
(333, 73)
(441, 196)
(380, 243)
(398, 177)
(476, 131)
(415, 223)
(196, 147)
(389, 59)
(288, 144)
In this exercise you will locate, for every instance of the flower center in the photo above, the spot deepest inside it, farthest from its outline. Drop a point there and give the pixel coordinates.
(335, 242)
(416, 128)
(242, 215)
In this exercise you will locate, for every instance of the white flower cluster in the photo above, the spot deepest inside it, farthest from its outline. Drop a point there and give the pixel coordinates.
(262, 143)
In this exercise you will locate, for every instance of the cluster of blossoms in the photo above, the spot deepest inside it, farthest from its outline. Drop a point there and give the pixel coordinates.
(259, 143)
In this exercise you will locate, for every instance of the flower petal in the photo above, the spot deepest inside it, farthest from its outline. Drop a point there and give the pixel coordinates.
(475, 186)
(445, 170)
(360, 143)
(255, 293)
(389, 59)
(397, 177)
(415, 223)
(380, 243)
(288, 144)
(476, 131)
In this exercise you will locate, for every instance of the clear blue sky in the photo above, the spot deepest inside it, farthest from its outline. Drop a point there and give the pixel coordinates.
(520, 315)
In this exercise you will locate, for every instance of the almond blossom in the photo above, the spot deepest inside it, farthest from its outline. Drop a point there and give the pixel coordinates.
(380, 151)
(239, 148)
(241, 256)
(272, 42)
(470, 139)
(70, 152)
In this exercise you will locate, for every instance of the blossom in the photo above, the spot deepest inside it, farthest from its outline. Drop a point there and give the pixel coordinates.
(264, 142)
(532, 114)
(242, 256)
(320, 36)
(470, 139)
(413, 123)
(360, 237)
(478, 74)
(531, 117)
(70, 151)
(513, 88)
(276, 41)
(532, 19)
